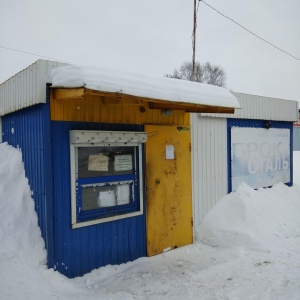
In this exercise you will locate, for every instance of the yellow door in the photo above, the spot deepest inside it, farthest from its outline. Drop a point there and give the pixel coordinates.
(168, 188)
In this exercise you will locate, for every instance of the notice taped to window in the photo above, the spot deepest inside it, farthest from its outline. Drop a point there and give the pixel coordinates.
(106, 199)
(123, 194)
(98, 163)
(123, 162)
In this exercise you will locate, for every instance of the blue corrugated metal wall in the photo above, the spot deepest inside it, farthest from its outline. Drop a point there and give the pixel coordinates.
(296, 138)
(29, 130)
(46, 158)
(78, 251)
(256, 124)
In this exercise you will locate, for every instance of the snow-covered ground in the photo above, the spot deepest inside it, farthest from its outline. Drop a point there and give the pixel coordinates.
(249, 249)
(296, 167)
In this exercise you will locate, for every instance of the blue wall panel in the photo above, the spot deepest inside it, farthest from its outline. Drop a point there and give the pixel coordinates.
(29, 130)
(78, 251)
(256, 124)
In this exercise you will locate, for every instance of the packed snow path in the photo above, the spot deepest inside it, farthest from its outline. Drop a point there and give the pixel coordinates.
(248, 248)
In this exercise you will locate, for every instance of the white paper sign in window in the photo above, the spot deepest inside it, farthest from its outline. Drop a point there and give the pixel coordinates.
(98, 163)
(106, 199)
(123, 162)
(123, 194)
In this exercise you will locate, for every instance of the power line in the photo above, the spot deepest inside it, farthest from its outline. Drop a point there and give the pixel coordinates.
(20, 51)
(249, 30)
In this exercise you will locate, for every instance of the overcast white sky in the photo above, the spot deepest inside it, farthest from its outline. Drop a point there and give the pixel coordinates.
(154, 37)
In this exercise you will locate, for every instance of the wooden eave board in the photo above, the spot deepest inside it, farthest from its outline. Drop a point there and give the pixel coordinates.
(119, 98)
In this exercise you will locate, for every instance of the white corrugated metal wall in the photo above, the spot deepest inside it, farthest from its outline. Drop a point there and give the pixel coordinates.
(26, 88)
(209, 161)
(262, 108)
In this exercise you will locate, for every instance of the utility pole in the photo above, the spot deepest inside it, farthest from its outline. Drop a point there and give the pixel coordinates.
(194, 41)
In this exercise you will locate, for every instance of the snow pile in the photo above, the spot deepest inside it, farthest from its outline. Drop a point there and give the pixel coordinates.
(261, 219)
(161, 88)
(20, 237)
(23, 273)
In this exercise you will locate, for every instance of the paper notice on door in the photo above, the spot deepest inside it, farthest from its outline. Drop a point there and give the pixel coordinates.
(170, 152)
(98, 163)
(123, 194)
(123, 162)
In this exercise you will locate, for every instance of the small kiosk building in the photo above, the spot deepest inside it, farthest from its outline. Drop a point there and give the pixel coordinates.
(108, 158)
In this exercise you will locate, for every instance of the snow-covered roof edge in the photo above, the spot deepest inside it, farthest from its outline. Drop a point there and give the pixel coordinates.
(139, 85)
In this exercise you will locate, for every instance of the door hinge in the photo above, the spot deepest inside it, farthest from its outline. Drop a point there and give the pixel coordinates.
(192, 221)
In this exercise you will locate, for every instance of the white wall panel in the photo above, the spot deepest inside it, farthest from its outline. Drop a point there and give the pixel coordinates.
(209, 162)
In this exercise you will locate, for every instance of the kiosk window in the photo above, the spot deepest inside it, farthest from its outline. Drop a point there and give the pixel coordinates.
(105, 161)
(106, 182)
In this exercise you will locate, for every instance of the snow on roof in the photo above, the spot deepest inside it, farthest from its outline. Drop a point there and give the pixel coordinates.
(160, 88)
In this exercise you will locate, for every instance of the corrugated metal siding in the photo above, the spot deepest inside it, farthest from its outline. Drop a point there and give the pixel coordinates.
(255, 124)
(91, 109)
(29, 130)
(262, 108)
(26, 88)
(296, 138)
(78, 251)
(209, 161)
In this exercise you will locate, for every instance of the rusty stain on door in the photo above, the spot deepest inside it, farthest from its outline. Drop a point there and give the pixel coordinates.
(168, 188)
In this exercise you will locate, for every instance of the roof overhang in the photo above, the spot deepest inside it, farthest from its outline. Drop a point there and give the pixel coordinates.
(109, 98)
(118, 87)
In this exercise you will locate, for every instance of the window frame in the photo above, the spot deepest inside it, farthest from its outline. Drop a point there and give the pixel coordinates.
(116, 214)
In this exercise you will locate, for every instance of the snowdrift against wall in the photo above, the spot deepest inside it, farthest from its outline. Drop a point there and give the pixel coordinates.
(20, 235)
(259, 219)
